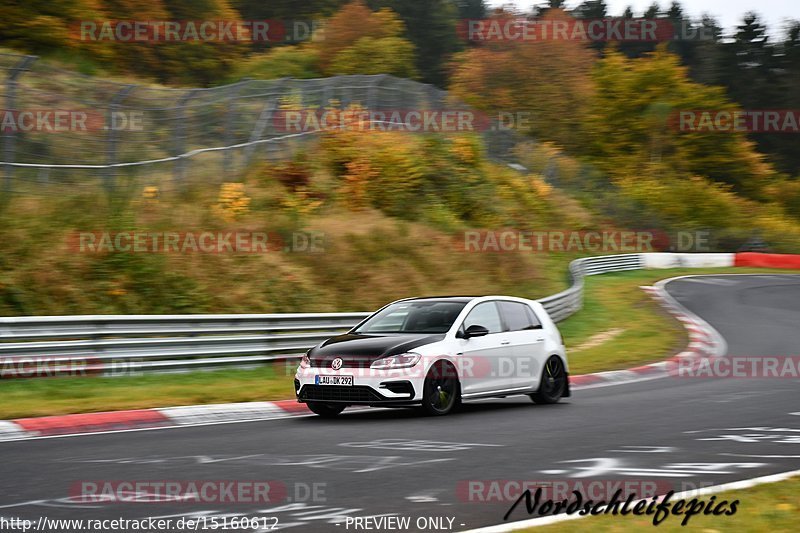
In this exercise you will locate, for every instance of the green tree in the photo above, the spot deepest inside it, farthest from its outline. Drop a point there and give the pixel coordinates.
(592, 10)
(311, 12)
(432, 26)
(630, 125)
(369, 55)
(541, 10)
(286, 9)
(301, 62)
(471, 9)
(41, 26)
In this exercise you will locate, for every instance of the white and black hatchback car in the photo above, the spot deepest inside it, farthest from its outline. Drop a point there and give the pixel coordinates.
(435, 352)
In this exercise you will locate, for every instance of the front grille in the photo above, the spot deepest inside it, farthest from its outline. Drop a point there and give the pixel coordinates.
(333, 393)
(347, 362)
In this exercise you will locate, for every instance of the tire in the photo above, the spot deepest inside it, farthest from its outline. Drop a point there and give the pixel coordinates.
(325, 410)
(553, 382)
(441, 391)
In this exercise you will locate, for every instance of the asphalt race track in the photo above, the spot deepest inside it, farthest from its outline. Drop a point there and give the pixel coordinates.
(676, 432)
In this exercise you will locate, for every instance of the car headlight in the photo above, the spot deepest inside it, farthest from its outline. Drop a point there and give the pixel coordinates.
(404, 360)
(305, 362)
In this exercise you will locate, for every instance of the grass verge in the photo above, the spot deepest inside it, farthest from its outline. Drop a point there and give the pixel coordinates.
(54, 396)
(611, 301)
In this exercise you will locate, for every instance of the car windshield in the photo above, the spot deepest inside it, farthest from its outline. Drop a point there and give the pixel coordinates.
(414, 316)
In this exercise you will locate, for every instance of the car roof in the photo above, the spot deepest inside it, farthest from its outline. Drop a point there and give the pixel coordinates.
(467, 299)
(459, 299)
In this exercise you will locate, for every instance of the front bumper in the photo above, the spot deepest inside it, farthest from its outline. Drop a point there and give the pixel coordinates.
(370, 387)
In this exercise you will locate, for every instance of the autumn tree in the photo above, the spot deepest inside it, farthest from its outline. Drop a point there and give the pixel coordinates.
(53, 27)
(550, 80)
(359, 41)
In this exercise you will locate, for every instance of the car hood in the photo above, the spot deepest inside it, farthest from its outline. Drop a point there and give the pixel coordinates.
(357, 350)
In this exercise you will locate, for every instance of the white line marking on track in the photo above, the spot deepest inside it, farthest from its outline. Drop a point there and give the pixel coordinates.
(646, 449)
(713, 281)
(416, 445)
(762, 456)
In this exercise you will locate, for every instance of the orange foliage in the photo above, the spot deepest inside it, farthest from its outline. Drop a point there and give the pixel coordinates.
(550, 79)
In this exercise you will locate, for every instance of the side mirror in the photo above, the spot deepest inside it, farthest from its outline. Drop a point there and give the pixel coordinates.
(475, 330)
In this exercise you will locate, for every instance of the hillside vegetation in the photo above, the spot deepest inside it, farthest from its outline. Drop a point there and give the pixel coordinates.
(385, 211)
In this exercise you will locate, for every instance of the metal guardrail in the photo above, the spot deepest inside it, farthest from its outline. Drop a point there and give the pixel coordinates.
(107, 344)
(123, 344)
(566, 303)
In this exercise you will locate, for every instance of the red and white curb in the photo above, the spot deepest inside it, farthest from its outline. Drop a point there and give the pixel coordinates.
(704, 341)
(144, 419)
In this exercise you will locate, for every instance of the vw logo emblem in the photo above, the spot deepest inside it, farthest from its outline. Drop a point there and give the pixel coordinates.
(336, 364)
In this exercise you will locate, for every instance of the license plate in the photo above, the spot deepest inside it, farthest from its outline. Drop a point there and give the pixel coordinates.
(346, 381)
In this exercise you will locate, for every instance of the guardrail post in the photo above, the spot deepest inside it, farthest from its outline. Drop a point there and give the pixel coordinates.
(111, 141)
(10, 137)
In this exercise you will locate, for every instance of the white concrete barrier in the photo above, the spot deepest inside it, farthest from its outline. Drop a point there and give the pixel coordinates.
(677, 260)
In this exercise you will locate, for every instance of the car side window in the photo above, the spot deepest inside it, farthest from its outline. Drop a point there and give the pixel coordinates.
(485, 314)
(534, 320)
(518, 316)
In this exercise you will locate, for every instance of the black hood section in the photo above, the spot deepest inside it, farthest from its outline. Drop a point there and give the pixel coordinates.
(358, 350)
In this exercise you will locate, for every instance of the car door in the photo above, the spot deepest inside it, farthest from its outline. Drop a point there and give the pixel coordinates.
(526, 337)
(481, 358)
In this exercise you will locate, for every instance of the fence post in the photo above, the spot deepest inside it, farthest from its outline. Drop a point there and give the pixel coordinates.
(111, 141)
(180, 138)
(326, 93)
(372, 93)
(230, 109)
(270, 106)
(10, 137)
(434, 97)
